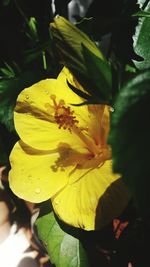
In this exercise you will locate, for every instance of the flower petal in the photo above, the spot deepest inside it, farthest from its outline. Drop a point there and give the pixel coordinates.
(34, 175)
(93, 201)
(34, 120)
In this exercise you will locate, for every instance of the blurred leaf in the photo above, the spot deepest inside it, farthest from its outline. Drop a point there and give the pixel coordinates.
(6, 2)
(142, 3)
(130, 69)
(141, 43)
(7, 71)
(32, 29)
(129, 137)
(36, 52)
(64, 249)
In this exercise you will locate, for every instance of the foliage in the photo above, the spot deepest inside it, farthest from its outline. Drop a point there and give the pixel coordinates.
(64, 249)
(129, 137)
(142, 39)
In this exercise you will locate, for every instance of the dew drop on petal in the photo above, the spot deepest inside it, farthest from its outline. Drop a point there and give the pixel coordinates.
(46, 92)
(57, 202)
(27, 97)
(37, 190)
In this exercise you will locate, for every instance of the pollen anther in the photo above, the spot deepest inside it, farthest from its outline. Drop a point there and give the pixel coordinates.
(63, 115)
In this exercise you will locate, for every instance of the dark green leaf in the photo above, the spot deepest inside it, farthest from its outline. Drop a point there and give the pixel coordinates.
(129, 137)
(7, 71)
(141, 43)
(142, 14)
(64, 249)
(99, 72)
(78, 91)
(96, 80)
(36, 52)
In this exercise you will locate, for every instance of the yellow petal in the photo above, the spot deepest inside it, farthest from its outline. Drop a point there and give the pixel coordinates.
(92, 201)
(66, 75)
(34, 175)
(34, 120)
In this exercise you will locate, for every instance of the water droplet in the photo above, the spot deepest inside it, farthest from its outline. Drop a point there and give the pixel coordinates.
(75, 187)
(37, 190)
(46, 92)
(27, 97)
(57, 202)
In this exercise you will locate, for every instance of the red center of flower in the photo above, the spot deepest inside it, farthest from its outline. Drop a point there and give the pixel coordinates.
(63, 115)
(65, 118)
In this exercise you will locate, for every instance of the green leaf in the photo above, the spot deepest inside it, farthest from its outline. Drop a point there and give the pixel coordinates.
(99, 72)
(64, 249)
(129, 138)
(7, 71)
(33, 33)
(142, 14)
(97, 80)
(129, 68)
(141, 43)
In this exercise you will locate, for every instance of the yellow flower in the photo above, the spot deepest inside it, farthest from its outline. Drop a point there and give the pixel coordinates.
(63, 155)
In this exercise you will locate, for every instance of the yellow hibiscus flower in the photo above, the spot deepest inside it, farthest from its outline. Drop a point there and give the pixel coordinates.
(63, 155)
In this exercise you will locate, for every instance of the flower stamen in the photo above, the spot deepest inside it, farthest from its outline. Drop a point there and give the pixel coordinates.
(63, 115)
(65, 118)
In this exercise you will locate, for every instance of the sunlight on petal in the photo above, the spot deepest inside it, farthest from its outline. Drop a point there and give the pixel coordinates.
(33, 174)
(88, 203)
(34, 121)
